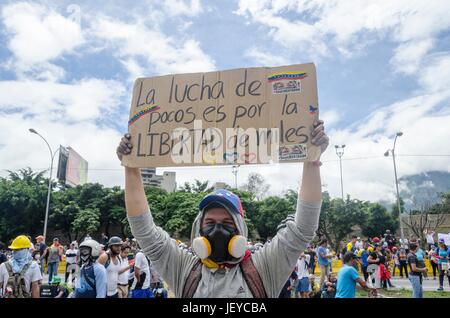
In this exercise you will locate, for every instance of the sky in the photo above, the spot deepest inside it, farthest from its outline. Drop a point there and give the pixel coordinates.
(67, 70)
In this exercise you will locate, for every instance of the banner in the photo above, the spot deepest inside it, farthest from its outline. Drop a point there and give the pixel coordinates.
(241, 116)
(77, 169)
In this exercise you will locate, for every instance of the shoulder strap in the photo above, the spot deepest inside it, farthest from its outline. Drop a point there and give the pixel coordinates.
(192, 281)
(87, 278)
(252, 278)
(108, 261)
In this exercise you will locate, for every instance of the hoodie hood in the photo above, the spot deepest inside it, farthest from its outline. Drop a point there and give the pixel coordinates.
(238, 221)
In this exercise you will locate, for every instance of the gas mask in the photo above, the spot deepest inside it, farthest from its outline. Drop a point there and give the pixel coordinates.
(220, 243)
(85, 255)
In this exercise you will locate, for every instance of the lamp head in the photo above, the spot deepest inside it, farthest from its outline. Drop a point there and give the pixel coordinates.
(386, 154)
(399, 134)
(32, 131)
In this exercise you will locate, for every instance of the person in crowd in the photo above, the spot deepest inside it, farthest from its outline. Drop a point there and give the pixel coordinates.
(314, 288)
(433, 257)
(53, 255)
(111, 260)
(389, 239)
(429, 234)
(104, 240)
(91, 281)
(312, 258)
(142, 279)
(415, 271)
(124, 273)
(443, 253)
(348, 277)
(329, 287)
(363, 255)
(41, 247)
(359, 244)
(62, 290)
(219, 237)
(351, 246)
(402, 259)
(303, 276)
(395, 260)
(324, 260)
(20, 276)
(71, 262)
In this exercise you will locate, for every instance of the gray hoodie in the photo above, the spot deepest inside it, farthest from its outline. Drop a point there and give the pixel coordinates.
(274, 262)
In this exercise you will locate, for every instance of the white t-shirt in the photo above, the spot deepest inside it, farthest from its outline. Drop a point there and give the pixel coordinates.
(123, 278)
(112, 276)
(302, 267)
(142, 263)
(404, 243)
(430, 239)
(71, 256)
(32, 275)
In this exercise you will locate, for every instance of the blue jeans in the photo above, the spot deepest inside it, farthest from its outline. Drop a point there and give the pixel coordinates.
(416, 285)
(52, 270)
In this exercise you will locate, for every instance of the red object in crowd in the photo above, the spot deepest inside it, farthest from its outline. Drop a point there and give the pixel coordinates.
(376, 240)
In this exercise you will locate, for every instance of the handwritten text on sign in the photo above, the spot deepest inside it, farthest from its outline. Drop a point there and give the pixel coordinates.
(244, 116)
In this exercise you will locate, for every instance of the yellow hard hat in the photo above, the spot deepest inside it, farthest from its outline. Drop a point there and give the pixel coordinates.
(20, 242)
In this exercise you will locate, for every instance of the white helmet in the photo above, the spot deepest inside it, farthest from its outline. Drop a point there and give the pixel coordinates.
(94, 245)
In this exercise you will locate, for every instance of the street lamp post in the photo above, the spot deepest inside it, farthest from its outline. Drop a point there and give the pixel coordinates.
(386, 154)
(340, 153)
(235, 172)
(52, 156)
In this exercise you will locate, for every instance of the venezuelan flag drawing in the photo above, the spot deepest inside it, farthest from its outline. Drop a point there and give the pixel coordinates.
(286, 76)
(147, 109)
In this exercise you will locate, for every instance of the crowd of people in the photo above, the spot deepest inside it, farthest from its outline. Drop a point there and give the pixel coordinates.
(119, 269)
(114, 269)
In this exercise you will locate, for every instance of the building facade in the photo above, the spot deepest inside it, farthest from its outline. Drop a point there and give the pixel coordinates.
(165, 181)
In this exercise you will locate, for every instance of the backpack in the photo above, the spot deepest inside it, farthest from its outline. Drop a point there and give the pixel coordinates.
(251, 277)
(16, 283)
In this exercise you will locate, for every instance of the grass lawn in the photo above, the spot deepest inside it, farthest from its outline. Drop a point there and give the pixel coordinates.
(405, 293)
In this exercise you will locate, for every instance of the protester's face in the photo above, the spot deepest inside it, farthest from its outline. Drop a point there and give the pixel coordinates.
(354, 240)
(218, 215)
(115, 249)
(125, 252)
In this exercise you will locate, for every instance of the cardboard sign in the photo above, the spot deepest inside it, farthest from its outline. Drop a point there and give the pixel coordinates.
(241, 116)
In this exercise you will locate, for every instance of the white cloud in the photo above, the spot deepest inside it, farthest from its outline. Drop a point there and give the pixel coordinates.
(144, 48)
(38, 35)
(319, 27)
(409, 55)
(182, 7)
(436, 76)
(262, 58)
(84, 100)
(96, 144)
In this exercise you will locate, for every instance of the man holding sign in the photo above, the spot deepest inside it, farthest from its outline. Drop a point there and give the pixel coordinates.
(222, 266)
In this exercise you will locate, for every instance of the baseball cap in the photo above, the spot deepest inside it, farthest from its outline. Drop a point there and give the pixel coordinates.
(225, 197)
(441, 240)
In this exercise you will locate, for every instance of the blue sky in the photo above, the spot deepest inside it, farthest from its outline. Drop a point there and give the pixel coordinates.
(67, 69)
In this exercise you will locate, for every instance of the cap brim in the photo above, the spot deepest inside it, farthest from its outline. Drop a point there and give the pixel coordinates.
(216, 198)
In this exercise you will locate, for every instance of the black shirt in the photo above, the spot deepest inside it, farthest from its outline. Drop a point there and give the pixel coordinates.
(380, 256)
(412, 259)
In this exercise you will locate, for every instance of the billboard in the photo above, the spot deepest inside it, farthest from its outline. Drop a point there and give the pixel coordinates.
(77, 168)
(62, 164)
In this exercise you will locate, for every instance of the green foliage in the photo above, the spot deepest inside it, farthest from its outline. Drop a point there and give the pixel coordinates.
(93, 208)
(379, 220)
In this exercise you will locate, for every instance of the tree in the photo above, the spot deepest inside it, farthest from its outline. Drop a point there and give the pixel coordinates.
(196, 187)
(86, 221)
(23, 198)
(418, 221)
(378, 221)
(271, 211)
(256, 184)
(337, 218)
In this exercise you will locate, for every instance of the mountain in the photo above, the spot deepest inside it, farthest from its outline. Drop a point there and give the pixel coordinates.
(423, 188)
